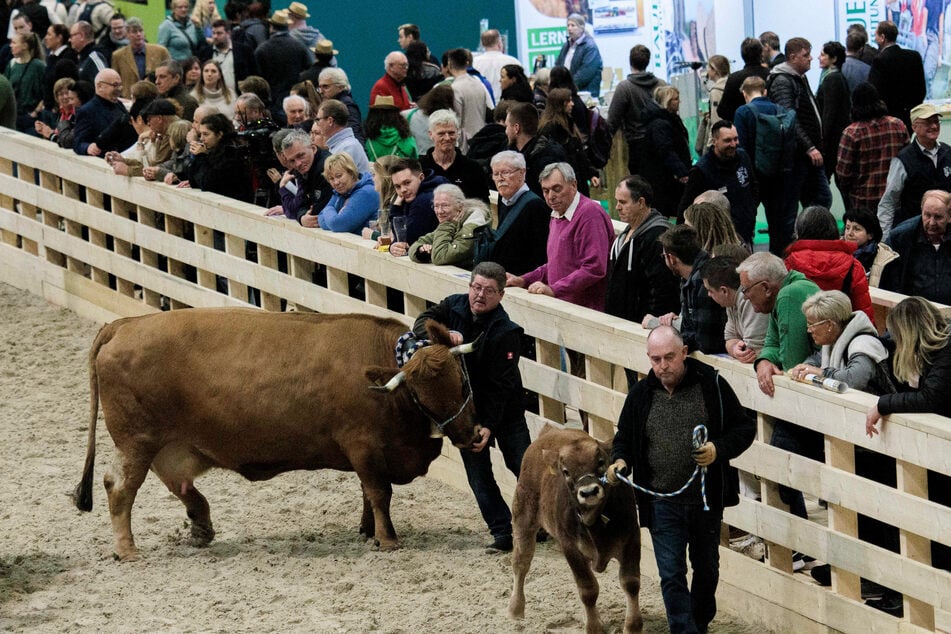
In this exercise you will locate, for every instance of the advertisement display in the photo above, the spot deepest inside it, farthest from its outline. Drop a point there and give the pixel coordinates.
(676, 31)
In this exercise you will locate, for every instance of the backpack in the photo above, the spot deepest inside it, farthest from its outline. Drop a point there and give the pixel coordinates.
(486, 238)
(600, 139)
(86, 16)
(775, 143)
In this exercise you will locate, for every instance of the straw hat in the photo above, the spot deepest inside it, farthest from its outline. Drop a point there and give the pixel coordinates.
(325, 47)
(384, 102)
(298, 10)
(279, 18)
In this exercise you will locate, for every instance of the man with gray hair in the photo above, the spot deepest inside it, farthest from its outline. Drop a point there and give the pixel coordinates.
(773, 290)
(579, 239)
(332, 122)
(137, 60)
(297, 111)
(445, 160)
(391, 83)
(520, 239)
(581, 56)
(334, 84)
(303, 189)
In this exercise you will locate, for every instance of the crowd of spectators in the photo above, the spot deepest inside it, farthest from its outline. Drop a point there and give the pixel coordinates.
(256, 107)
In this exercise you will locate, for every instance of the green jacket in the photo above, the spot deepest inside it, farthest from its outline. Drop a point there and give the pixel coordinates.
(452, 240)
(787, 342)
(389, 142)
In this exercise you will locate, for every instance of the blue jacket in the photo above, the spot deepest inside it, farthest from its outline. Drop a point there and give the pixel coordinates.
(353, 210)
(585, 66)
(92, 119)
(419, 216)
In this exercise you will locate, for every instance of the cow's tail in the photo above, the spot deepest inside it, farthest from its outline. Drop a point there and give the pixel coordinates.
(82, 496)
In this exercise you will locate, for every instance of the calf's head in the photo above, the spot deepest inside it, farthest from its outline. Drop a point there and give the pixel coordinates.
(581, 464)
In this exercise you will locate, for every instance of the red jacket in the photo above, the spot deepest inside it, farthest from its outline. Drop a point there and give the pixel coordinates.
(827, 263)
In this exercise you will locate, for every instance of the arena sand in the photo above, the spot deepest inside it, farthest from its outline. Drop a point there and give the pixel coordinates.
(287, 556)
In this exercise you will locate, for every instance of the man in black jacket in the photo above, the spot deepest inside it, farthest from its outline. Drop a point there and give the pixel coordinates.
(521, 128)
(496, 388)
(752, 53)
(788, 86)
(898, 73)
(654, 437)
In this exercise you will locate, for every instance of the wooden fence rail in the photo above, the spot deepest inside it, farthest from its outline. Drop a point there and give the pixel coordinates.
(108, 246)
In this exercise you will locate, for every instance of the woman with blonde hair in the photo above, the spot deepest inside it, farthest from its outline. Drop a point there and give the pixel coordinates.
(713, 224)
(667, 155)
(211, 89)
(452, 241)
(354, 202)
(922, 359)
(383, 184)
(204, 15)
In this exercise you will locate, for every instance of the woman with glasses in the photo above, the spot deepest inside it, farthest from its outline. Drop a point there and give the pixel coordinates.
(452, 241)
(851, 351)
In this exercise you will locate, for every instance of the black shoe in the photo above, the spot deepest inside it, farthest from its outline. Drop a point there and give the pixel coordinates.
(872, 590)
(890, 603)
(501, 544)
(822, 574)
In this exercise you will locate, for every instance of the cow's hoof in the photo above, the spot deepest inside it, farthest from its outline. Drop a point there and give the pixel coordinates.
(386, 546)
(201, 536)
(132, 555)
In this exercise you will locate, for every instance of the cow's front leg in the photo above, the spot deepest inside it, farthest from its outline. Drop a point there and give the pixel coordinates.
(379, 496)
(629, 574)
(587, 587)
(367, 528)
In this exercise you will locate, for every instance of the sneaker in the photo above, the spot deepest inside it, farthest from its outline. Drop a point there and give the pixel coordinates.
(749, 545)
(801, 561)
(501, 544)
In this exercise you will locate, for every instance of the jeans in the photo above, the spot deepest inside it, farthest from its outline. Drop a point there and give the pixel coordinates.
(512, 439)
(675, 527)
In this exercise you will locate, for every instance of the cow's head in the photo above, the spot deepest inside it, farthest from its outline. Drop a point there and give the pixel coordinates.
(437, 385)
(581, 464)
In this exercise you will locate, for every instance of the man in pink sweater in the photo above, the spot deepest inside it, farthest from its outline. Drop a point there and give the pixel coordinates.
(579, 239)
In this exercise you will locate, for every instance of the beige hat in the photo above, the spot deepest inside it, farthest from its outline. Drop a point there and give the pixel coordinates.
(298, 10)
(924, 111)
(325, 47)
(385, 102)
(279, 17)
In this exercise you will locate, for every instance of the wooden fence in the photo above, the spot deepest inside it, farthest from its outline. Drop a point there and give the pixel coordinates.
(108, 246)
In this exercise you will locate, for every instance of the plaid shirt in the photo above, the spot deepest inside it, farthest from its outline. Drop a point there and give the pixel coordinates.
(865, 152)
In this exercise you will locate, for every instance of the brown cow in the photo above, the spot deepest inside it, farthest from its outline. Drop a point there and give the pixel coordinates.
(559, 489)
(263, 393)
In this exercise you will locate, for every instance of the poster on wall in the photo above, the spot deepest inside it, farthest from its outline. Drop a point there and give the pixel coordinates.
(677, 32)
(923, 26)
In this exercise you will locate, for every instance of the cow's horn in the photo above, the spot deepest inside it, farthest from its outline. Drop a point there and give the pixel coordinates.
(462, 348)
(398, 378)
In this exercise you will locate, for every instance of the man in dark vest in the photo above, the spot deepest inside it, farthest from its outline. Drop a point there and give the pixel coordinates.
(923, 164)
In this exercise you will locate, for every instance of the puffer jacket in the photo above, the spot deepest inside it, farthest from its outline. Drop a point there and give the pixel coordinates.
(791, 90)
(829, 263)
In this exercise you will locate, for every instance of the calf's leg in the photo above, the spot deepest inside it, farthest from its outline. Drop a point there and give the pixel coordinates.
(629, 574)
(524, 528)
(587, 587)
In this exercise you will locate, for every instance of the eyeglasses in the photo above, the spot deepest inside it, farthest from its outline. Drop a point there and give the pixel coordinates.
(746, 289)
(402, 65)
(117, 84)
(478, 289)
(321, 118)
(504, 174)
(811, 325)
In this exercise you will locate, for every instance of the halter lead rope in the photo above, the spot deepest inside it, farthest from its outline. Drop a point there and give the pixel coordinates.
(699, 438)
